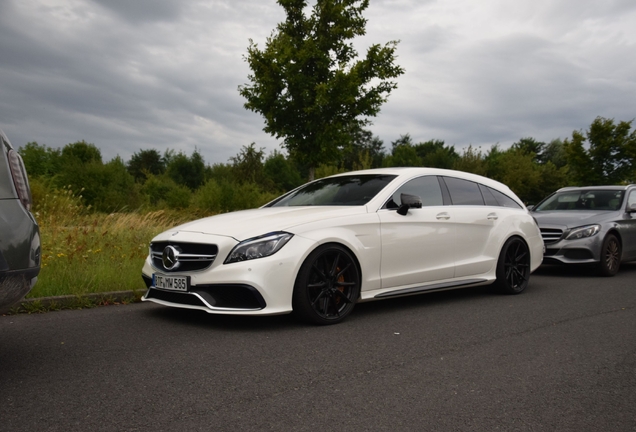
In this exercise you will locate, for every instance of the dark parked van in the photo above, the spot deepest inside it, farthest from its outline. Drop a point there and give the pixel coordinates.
(19, 232)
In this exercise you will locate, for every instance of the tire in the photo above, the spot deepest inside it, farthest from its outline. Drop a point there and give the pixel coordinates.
(327, 286)
(610, 256)
(513, 267)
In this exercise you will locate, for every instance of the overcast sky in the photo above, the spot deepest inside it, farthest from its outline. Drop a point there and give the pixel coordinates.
(140, 74)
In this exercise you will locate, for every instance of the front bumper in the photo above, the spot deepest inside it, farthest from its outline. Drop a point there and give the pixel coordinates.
(228, 297)
(581, 251)
(261, 286)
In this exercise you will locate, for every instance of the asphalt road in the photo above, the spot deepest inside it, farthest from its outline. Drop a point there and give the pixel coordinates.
(559, 357)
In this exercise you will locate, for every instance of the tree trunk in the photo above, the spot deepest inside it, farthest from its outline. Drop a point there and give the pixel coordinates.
(312, 173)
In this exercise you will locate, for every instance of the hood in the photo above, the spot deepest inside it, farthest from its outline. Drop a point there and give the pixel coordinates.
(571, 219)
(246, 224)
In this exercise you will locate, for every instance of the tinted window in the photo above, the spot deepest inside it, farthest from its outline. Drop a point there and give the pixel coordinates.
(336, 191)
(463, 192)
(489, 198)
(504, 200)
(427, 188)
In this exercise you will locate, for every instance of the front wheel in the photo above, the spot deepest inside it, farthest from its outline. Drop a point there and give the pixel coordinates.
(327, 286)
(610, 256)
(513, 267)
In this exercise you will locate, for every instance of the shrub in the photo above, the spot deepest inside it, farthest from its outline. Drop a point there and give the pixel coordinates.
(162, 192)
(226, 196)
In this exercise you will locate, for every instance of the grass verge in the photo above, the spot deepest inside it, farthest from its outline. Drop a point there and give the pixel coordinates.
(85, 252)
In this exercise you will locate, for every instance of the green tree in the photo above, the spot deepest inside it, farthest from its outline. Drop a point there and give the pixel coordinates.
(517, 169)
(104, 187)
(40, 160)
(308, 84)
(146, 162)
(81, 170)
(225, 196)
(118, 191)
(403, 153)
(610, 155)
(494, 161)
(471, 160)
(435, 154)
(363, 151)
(162, 192)
(552, 178)
(186, 171)
(281, 172)
(403, 140)
(532, 147)
(403, 156)
(555, 152)
(248, 164)
(81, 151)
(219, 172)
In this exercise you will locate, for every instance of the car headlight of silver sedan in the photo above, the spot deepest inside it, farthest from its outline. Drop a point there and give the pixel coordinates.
(583, 232)
(258, 247)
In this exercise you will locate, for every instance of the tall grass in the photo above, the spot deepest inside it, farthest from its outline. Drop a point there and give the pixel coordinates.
(88, 252)
(84, 252)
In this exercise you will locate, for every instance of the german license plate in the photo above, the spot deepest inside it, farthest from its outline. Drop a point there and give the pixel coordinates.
(172, 283)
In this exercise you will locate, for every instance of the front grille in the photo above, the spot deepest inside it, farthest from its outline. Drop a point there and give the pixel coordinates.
(551, 235)
(191, 256)
(220, 296)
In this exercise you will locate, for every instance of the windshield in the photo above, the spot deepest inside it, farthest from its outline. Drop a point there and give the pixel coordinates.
(609, 200)
(336, 191)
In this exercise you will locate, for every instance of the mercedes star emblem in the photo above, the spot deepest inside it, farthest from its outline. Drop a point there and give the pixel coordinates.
(170, 258)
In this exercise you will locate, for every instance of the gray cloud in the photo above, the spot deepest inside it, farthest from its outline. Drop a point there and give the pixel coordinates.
(143, 10)
(164, 74)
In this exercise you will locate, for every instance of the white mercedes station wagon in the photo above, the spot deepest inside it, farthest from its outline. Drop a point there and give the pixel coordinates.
(366, 235)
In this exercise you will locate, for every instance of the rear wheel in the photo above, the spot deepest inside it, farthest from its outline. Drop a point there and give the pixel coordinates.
(610, 256)
(513, 267)
(327, 286)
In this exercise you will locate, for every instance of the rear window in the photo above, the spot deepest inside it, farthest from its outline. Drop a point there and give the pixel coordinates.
(463, 192)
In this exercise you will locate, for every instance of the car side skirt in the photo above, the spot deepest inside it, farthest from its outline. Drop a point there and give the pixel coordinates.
(434, 287)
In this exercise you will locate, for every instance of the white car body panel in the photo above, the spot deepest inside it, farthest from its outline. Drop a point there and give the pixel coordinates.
(416, 247)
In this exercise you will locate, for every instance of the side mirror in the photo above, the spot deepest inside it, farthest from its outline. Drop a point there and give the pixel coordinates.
(631, 208)
(530, 207)
(409, 201)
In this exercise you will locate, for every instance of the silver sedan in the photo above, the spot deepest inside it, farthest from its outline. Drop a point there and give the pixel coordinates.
(589, 225)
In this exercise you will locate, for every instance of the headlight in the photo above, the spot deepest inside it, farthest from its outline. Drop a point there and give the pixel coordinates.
(583, 232)
(258, 247)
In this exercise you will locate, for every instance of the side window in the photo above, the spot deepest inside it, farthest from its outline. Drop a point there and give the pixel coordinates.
(631, 199)
(504, 200)
(427, 188)
(463, 192)
(489, 198)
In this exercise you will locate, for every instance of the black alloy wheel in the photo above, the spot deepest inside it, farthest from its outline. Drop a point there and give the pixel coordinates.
(513, 267)
(327, 286)
(610, 256)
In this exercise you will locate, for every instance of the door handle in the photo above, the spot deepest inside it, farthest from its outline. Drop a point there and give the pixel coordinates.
(492, 216)
(443, 216)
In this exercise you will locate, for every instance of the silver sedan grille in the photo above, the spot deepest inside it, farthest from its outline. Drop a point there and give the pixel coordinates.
(551, 235)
